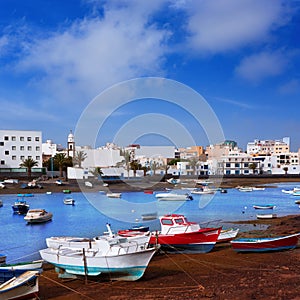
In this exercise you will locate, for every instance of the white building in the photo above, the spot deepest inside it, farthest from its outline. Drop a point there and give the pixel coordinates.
(268, 147)
(18, 145)
(49, 148)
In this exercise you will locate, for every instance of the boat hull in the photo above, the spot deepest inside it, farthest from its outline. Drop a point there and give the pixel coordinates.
(201, 241)
(23, 287)
(265, 244)
(128, 267)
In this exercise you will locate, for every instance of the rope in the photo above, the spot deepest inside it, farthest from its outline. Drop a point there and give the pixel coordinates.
(68, 288)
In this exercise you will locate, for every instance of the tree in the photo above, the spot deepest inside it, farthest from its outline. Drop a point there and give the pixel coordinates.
(97, 171)
(154, 165)
(135, 166)
(79, 158)
(28, 163)
(62, 161)
(252, 167)
(127, 161)
(193, 163)
(285, 169)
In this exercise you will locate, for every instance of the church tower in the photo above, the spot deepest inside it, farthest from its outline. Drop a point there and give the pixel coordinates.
(71, 145)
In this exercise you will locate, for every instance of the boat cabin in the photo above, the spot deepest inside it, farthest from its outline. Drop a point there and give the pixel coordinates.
(172, 224)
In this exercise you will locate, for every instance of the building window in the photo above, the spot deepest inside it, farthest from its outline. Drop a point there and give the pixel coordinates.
(13, 148)
(22, 148)
(37, 139)
(22, 157)
(6, 152)
(227, 165)
(37, 148)
(13, 157)
(21, 138)
(1, 143)
(13, 138)
(6, 138)
(37, 158)
(2, 162)
(29, 138)
(237, 165)
(246, 165)
(29, 148)
(227, 172)
(29, 157)
(237, 172)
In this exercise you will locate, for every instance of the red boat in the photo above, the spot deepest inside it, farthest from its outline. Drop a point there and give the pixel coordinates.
(178, 234)
(265, 244)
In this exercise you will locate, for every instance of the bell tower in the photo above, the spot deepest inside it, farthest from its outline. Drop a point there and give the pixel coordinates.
(71, 145)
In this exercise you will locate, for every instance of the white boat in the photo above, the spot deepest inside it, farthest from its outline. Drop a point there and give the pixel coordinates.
(24, 286)
(266, 216)
(227, 235)
(114, 195)
(264, 206)
(296, 193)
(173, 197)
(69, 201)
(88, 184)
(245, 189)
(122, 258)
(38, 216)
(173, 181)
(258, 188)
(32, 265)
(287, 191)
(203, 191)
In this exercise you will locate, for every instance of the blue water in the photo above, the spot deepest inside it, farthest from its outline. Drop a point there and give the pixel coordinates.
(20, 241)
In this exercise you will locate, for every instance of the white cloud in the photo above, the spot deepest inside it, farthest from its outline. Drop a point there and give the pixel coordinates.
(97, 52)
(222, 25)
(290, 87)
(262, 65)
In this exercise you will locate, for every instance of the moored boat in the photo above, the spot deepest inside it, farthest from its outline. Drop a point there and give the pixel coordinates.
(178, 234)
(114, 195)
(38, 216)
(173, 197)
(227, 235)
(25, 286)
(69, 201)
(203, 191)
(149, 216)
(245, 189)
(265, 244)
(264, 206)
(20, 207)
(266, 216)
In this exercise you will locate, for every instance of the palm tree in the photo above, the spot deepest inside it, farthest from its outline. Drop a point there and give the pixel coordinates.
(135, 166)
(60, 159)
(79, 158)
(154, 165)
(285, 169)
(127, 161)
(29, 163)
(97, 171)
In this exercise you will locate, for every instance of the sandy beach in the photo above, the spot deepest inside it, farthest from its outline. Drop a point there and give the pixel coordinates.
(219, 274)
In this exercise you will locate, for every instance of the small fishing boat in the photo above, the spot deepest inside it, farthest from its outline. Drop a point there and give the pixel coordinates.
(69, 201)
(31, 265)
(227, 235)
(66, 191)
(245, 189)
(25, 195)
(20, 207)
(265, 244)
(25, 286)
(266, 216)
(173, 181)
(178, 234)
(134, 230)
(203, 191)
(258, 188)
(114, 195)
(297, 202)
(148, 192)
(38, 216)
(264, 206)
(296, 193)
(88, 184)
(121, 257)
(173, 197)
(149, 216)
(290, 192)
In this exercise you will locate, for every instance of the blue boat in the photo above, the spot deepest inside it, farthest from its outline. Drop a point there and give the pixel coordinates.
(25, 195)
(20, 207)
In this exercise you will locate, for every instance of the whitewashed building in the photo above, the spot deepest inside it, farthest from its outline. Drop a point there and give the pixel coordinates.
(268, 147)
(18, 145)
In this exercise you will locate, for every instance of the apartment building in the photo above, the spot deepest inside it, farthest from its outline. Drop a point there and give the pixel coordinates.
(18, 145)
(269, 147)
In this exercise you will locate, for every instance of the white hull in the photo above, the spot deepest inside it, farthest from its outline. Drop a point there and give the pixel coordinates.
(38, 216)
(23, 286)
(22, 266)
(126, 266)
(266, 216)
(227, 235)
(172, 197)
(114, 195)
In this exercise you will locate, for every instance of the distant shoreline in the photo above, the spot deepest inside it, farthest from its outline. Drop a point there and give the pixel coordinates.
(126, 186)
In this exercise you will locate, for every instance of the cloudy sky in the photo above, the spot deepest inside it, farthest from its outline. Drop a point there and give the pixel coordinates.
(242, 56)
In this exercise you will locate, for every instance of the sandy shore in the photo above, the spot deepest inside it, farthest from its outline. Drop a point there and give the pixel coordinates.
(220, 274)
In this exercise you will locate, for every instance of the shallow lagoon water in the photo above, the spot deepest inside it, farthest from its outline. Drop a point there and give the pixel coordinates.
(88, 217)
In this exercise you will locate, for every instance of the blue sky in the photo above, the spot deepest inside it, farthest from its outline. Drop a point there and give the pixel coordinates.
(242, 56)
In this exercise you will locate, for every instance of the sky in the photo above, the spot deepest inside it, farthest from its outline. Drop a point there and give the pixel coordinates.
(241, 56)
